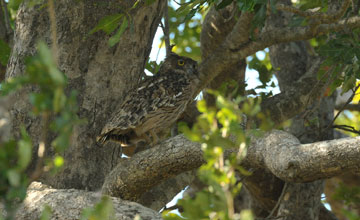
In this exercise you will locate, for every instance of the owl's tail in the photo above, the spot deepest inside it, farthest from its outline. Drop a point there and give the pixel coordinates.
(122, 139)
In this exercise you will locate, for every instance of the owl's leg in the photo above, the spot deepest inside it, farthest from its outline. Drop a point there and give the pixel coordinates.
(129, 151)
(147, 138)
(155, 138)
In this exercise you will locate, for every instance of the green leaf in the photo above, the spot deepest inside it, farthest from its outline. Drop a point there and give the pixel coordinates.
(4, 52)
(59, 100)
(201, 106)
(41, 101)
(116, 38)
(13, 177)
(223, 4)
(46, 213)
(24, 150)
(348, 84)
(24, 154)
(14, 4)
(46, 56)
(190, 15)
(102, 210)
(108, 24)
(59, 161)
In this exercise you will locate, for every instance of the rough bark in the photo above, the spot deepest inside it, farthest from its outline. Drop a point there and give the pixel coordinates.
(69, 203)
(160, 195)
(100, 74)
(292, 60)
(130, 179)
(216, 26)
(277, 151)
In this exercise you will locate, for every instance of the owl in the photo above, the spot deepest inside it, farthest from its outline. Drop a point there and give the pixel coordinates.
(154, 105)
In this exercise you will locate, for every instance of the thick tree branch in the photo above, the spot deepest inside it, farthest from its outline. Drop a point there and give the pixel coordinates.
(277, 151)
(224, 56)
(210, 68)
(216, 27)
(162, 194)
(69, 203)
(240, 33)
(146, 169)
(286, 158)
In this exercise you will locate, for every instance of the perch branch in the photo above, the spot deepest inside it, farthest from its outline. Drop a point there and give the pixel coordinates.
(276, 151)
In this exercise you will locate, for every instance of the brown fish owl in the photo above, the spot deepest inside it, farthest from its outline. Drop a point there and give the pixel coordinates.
(154, 105)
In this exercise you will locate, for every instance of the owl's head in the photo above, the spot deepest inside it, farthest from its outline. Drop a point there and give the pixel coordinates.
(176, 62)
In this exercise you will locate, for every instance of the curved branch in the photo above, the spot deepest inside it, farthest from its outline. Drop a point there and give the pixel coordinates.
(277, 151)
(146, 169)
(223, 57)
(69, 204)
(291, 161)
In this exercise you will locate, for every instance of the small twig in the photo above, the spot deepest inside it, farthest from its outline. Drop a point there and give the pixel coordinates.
(158, 52)
(278, 201)
(350, 107)
(174, 207)
(347, 102)
(178, 3)
(54, 47)
(325, 18)
(347, 128)
(166, 29)
(39, 167)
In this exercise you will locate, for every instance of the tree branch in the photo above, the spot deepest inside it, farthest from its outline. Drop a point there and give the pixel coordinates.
(324, 18)
(223, 56)
(146, 169)
(166, 29)
(69, 203)
(277, 151)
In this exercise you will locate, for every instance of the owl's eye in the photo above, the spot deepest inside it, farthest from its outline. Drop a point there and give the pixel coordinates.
(181, 62)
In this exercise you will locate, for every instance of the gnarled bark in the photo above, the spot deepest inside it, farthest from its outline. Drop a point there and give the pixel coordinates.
(101, 75)
(69, 204)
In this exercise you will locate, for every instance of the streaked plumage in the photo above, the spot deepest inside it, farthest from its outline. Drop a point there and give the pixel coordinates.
(155, 104)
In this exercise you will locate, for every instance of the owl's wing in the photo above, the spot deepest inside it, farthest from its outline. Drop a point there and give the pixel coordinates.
(149, 98)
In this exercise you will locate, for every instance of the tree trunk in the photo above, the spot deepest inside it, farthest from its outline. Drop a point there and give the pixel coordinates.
(101, 75)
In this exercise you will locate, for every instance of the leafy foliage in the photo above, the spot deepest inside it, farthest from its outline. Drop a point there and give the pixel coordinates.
(219, 129)
(109, 23)
(258, 7)
(351, 198)
(185, 34)
(342, 53)
(49, 101)
(102, 210)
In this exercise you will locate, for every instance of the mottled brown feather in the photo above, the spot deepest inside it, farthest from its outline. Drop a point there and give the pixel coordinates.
(155, 104)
